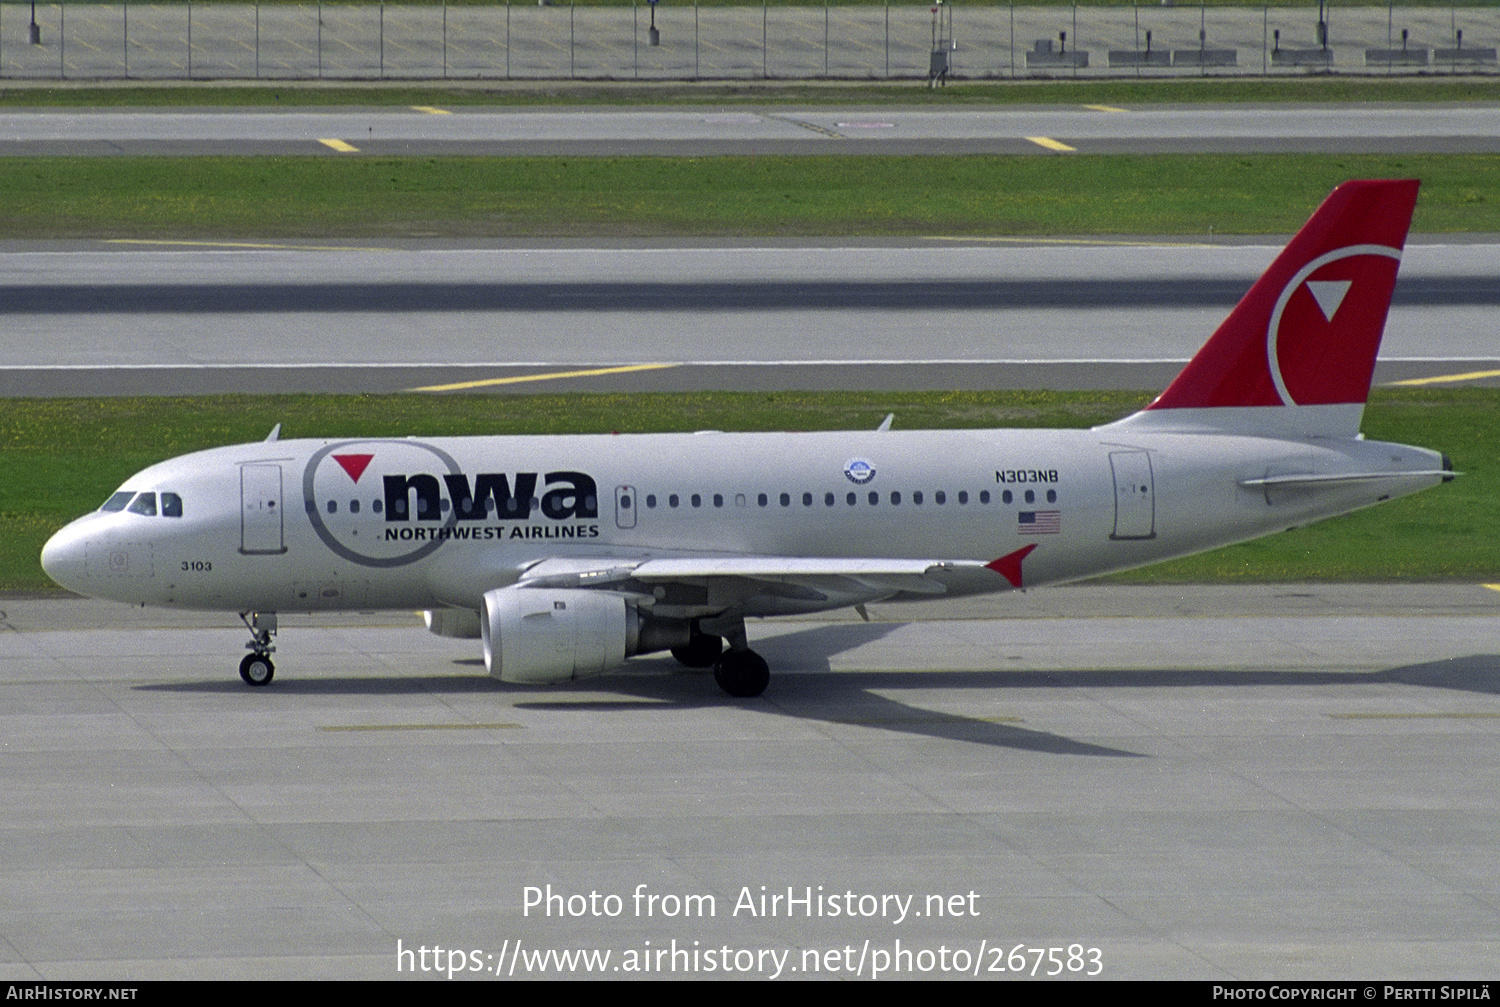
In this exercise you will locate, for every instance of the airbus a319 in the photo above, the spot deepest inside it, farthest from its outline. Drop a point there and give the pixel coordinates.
(567, 555)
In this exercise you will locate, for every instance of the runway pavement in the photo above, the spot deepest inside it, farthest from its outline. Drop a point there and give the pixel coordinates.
(853, 130)
(1212, 783)
(189, 318)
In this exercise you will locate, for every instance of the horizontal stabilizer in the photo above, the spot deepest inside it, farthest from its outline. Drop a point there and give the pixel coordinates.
(1340, 477)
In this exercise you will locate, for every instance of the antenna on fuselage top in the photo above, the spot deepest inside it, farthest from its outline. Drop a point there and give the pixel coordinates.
(275, 434)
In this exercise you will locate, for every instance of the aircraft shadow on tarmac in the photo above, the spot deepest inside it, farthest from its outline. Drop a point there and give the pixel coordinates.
(810, 689)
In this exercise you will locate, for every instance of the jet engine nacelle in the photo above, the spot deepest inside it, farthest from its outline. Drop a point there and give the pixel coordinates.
(459, 623)
(538, 635)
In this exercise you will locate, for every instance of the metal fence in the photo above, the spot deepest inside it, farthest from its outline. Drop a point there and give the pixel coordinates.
(583, 41)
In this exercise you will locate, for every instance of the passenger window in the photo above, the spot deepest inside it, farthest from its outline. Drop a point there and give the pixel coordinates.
(827, 499)
(144, 503)
(118, 501)
(940, 497)
(672, 500)
(853, 498)
(762, 499)
(333, 506)
(1052, 496)
(786, 499)
(807, 499)
(874, 499)
(984, 496)
(697, 500)
(1005, 497)
(353, 506)
(171, 505)
(651, 501)
(916, 498)
(896, 498)
(718, 500)
(963, 497)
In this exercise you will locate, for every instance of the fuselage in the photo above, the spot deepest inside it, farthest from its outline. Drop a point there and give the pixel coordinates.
(426, 523)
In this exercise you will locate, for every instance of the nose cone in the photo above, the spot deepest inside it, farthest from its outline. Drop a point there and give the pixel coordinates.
(63, 558)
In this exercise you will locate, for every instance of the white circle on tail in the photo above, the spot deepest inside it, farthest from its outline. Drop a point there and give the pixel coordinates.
(1329, 296)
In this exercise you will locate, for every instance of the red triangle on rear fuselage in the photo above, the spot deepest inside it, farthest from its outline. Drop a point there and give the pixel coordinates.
(353, 464)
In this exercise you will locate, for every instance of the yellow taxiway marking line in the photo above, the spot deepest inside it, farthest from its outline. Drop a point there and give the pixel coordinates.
(1049, 143)
(340, 146)
(553, 376)
(1492, 587)
(1441, 379)
(1413, 716)
(422, 727)
(1071, 241)
(246, 244)
(1105, 108)
(431, 110)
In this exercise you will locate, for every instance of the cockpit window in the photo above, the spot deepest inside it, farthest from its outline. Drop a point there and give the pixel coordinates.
(118, 501)
(144, 503)
(171, 505)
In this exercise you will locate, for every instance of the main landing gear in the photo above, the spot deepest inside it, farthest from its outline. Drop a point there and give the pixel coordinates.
(739, 671)
(743, 674)
(701, 651)
(257, 668)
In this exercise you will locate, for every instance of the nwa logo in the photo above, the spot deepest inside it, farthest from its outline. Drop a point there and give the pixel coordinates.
(423, 500)
(1338, 299)
(568, 495)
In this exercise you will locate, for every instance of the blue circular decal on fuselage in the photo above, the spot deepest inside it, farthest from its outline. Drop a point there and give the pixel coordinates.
(859, 471)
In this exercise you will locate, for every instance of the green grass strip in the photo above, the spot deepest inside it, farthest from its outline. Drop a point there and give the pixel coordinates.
(60, 458)
(350, 196)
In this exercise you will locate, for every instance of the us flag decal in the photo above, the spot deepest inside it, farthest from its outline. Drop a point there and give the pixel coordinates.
(1039, 522)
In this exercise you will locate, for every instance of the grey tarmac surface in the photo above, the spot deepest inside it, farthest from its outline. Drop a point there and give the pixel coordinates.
(92, 318)
(852, 130)
(1288, 781)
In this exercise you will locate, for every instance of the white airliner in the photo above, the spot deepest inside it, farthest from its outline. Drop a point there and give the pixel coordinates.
(570, 554)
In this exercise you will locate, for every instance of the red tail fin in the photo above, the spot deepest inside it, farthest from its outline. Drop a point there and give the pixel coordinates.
(1306, 334)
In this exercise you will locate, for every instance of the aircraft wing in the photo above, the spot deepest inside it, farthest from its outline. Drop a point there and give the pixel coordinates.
(766, 585)
(885, 576)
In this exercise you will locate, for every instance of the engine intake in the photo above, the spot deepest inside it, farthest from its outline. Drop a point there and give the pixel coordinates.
(540, 636)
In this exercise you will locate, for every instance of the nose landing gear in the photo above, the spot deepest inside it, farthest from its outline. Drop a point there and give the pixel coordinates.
(257, 669)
